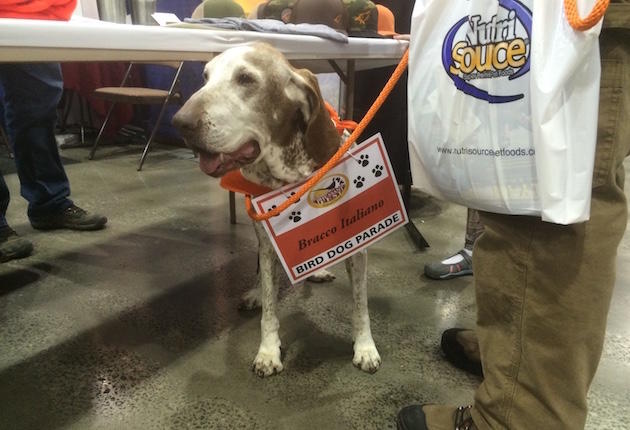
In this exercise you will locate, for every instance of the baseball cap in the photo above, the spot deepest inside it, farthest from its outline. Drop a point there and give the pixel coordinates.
(362, 18)
(386, 21)
(328, 12)
(221, 9)
(281, 10)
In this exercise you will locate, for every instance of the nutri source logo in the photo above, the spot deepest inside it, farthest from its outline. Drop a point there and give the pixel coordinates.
(489, 47)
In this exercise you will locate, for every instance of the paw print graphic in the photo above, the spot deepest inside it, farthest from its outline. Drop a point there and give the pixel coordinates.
(295, 216)
(271, 208)
(292, 193)
(377, 170)
(358, 181)
(364, 160)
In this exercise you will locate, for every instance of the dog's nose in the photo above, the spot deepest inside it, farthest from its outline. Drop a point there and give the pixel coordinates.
(184, 122)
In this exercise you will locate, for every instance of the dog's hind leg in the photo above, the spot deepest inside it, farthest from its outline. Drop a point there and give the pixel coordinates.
(251, 299)
(267, 361)
(366, 355)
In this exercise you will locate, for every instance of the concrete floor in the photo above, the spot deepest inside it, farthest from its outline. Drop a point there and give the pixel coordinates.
(137, 327)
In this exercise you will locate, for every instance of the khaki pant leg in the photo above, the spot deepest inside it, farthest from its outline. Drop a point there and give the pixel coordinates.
(543, 290)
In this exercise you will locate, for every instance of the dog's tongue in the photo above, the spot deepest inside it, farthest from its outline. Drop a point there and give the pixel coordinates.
(218, 164)
(209, 163)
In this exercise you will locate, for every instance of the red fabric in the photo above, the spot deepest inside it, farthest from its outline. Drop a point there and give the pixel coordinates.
(84, 78)
(60, 10)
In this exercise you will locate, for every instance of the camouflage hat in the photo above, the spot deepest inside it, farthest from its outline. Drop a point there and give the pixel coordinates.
(362, 18)
(327, 12)
(276, 9)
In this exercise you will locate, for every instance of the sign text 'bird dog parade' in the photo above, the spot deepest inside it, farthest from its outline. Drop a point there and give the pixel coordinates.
(357, 203)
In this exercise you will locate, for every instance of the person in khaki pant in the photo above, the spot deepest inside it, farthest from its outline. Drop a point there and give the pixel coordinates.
(543, 290)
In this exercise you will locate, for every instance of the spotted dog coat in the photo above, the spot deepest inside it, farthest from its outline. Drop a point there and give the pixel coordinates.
(258, 113)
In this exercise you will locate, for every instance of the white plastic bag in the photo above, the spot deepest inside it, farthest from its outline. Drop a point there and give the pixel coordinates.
(565, 98)
(471, 128)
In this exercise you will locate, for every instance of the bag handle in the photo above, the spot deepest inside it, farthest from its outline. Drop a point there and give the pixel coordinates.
(583, 24)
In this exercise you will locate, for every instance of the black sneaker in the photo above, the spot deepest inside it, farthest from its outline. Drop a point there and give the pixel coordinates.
(72, 218)
(13, 246)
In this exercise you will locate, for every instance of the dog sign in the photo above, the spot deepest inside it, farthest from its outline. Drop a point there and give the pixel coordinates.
(351, 207)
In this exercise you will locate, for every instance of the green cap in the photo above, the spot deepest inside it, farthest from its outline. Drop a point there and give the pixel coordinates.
(362, 18)
(222, 9)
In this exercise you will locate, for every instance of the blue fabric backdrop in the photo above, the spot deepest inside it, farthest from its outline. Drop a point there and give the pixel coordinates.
(160, 77)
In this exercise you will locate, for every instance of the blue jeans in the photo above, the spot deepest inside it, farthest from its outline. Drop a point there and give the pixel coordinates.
(31, 94)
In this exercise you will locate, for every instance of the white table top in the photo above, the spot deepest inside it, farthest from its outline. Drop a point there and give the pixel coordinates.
(90, 40)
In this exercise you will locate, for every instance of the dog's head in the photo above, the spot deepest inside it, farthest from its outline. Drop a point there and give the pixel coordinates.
(255, 107)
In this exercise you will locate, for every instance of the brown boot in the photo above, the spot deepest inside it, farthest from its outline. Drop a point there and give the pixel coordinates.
(435, 417)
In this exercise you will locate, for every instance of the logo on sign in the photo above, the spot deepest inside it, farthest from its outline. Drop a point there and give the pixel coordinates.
(496, 48)
(328, 191)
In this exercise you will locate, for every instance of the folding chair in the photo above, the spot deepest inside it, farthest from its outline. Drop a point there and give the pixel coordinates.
(139, 96)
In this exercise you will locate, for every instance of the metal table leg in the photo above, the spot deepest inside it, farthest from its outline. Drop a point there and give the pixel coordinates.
(349, 80)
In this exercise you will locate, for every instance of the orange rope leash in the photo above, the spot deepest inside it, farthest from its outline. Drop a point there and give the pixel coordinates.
(389, 86)
(579, 24)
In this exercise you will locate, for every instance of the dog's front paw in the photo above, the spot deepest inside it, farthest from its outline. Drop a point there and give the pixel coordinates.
(267, 363)
(322, 275)
(251, 300)
(366, 358)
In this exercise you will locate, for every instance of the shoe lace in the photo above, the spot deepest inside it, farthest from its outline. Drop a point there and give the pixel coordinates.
(75, 210)
(463, 420)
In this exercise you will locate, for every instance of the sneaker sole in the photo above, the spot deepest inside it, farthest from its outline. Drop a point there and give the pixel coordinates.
(449, 275)
(90, 227)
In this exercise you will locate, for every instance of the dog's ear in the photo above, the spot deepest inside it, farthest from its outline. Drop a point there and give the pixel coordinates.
(321, 139)
(307, 95)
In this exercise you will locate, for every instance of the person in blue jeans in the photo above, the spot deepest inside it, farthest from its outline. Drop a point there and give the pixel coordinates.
(31, 93)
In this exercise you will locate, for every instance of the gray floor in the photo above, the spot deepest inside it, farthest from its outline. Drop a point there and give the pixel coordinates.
(137, 327)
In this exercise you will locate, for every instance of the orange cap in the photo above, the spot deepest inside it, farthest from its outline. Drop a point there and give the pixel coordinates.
(386, 21)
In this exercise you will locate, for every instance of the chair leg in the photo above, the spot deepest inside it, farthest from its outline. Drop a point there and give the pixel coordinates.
(100, 132)
(68, 97)
(81, 120)
(5, 139)
(153, 132)
(232, 208)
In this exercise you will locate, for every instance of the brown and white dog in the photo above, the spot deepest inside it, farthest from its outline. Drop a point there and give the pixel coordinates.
(257, 113)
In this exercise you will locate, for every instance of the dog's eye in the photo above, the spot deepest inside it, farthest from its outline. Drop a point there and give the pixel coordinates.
(244, 78)
(205, 76)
